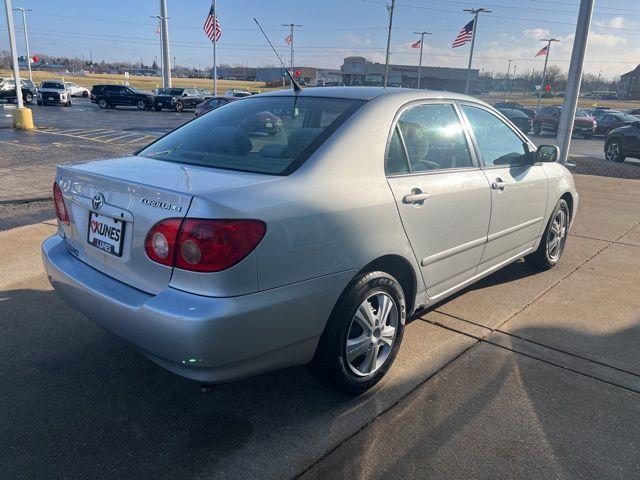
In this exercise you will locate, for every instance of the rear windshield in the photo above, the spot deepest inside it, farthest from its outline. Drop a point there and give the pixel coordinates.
(270, 135)
(57, 85)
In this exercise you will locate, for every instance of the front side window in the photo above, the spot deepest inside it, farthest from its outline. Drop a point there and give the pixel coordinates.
(263, 134)
(498, 144)
(434, 138)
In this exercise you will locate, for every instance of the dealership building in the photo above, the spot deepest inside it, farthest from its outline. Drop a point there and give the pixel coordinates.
(360, 71)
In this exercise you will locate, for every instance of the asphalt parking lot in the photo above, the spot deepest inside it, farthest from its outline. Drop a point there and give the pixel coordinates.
(526, 374)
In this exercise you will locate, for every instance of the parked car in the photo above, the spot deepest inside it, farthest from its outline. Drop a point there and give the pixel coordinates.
(53, 92)
(76, 90)
(212, 104)
(177, 98)
(623, 142)
(598, 111)
(262, 122)
(222, 254)
(518, 118)
(8, 90)
(232, 92)
(610, 121)
(530, 112)
(548, 118)
(112, 96)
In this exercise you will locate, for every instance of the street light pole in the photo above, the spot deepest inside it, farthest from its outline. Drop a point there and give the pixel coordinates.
(390, 8)
(506, 87)
(26, 37)
(475, 12)
(513, 78)
(291, 62)
(544, 69)
(422, 34)
(567, 115)
(14, 52)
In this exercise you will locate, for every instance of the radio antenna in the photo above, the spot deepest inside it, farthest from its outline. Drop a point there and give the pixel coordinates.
(296, 86)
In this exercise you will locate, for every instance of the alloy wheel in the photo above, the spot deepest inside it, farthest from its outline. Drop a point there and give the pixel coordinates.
(557, 235)
(371, 334)
(612, 151)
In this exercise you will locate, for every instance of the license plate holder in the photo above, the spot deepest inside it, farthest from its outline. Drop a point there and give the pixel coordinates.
(105, 233)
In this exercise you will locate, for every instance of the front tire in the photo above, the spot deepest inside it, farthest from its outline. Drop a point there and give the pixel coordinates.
(179, 106)
(553, 240)
(363, 334)
(141, 105)
(28, 97)
(613, 150)
(102, 103)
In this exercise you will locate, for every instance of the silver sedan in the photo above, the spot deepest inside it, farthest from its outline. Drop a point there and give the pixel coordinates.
(293, 228)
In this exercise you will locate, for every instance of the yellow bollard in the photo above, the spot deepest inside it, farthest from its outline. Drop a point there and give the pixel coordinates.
(23, 119)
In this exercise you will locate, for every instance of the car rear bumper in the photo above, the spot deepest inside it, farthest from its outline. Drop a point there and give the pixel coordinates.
(207, 339)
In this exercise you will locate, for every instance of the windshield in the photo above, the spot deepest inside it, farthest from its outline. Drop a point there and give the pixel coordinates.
(53, 85)
(262, 134)
(582, 113)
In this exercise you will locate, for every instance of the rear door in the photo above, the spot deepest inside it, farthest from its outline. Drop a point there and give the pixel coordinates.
(518, 191)
(442, 195)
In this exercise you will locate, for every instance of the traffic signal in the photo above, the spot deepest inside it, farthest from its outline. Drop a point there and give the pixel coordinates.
(548, 88)
(296, 74)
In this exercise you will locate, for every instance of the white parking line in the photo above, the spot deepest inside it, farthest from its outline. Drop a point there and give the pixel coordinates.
(139, 139)
(122, 136)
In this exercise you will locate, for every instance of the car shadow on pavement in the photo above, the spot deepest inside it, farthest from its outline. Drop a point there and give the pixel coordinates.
(80, 403)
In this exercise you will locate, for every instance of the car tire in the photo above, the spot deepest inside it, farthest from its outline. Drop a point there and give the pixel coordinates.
(537, 128)
(157, 108)
(85, 94)
(68, 103)
(28, 97)
(375, 341)
(102, 103)
(141, 105)
(553, 240)
(613, 150)
(179, 106)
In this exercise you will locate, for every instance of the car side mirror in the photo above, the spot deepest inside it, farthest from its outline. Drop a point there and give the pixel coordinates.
(547, 153)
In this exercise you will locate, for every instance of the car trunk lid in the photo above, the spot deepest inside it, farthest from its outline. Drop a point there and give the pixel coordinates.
(123, 198)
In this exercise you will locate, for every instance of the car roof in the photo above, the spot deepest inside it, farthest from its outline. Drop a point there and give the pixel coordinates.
(513, 112)
(368, 93)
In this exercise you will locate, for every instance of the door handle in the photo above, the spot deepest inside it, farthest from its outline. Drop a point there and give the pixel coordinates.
(499, 184)
(416, 197)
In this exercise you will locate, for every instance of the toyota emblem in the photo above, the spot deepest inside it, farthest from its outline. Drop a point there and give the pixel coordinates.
(97, 201)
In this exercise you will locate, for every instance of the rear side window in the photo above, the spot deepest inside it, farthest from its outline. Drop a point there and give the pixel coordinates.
(272, 135)
(498, 144)
(434, 138)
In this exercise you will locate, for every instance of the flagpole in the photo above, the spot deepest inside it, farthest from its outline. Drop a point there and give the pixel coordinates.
(215, 63)
(475, 12)
(422, 34)
(544, 69)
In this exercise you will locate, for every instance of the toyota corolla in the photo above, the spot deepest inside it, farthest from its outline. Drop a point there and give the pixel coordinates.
(221, 252)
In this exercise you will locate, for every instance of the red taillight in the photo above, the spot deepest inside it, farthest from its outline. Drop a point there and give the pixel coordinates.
(202, 245)
(58, 203)
(161, 241)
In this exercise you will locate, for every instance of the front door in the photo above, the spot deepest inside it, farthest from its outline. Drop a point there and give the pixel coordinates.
(443, 197)
(518, 189)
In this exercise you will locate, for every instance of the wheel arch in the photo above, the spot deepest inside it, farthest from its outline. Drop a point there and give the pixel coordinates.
(568, 197)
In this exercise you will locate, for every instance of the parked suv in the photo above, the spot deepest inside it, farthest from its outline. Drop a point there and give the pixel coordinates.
(54, 92)
(548, 118)
(177, 98)
(8, 90)
(111, 96)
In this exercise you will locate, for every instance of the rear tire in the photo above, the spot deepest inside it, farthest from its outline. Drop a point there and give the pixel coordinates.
(613, 150)
(102, 103)
(28, 97)
(553, 240)
(141, 105)
(368, 320)
(157, 108)
(179, 106)
(85, 94)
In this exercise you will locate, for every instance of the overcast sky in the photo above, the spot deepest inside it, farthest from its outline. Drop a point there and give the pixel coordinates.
(333, 29)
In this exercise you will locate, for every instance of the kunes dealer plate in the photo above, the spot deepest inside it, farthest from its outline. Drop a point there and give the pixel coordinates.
(106, 233)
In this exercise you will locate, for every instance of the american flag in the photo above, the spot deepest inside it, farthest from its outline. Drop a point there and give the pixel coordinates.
(416, 45)
(212, 33)
(287, 39)
(543, 51)
(464, 36)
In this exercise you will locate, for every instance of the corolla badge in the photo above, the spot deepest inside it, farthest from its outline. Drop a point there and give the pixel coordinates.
(97, 201)
(161, 204)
